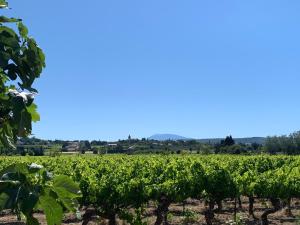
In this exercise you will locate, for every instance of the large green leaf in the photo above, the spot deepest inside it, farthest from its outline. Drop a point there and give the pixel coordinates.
(32, 109)
(8, 199)
(8, 184)
(24, 128)
(8, 37)
(66, 187)
(7, 141)
(5, 201)
(69, 204)
(19, 168)
(28, 203)
(52, 210)
(67, 191)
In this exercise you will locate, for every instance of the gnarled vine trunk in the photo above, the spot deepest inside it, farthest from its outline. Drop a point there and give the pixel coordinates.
(235, 208)
(112, 219)
(162, 211)
(220, 205)
(209, 213)
(288, 211)
(250, 210)
(110, 215)
(183, 206)
(240, 203)
(276, 206)
(87, 216)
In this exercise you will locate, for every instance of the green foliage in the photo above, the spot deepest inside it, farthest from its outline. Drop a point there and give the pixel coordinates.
(24, 188)
(113, 184)
(53, 151)
(218, 183)
(133, 218)
(228, 141)
(234, 149)
(21, 62)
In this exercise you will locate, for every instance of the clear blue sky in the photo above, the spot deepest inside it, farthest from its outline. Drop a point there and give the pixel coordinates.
(194, 68)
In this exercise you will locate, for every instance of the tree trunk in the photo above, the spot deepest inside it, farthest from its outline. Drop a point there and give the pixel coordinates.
(276, 206)
(162, 211)
(209, 213)
(251, 211)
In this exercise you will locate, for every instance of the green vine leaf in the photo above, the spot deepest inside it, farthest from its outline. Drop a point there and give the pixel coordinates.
(52, 210)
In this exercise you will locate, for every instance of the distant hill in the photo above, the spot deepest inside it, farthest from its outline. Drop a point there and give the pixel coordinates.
(174, 137)
(247, 140)
(165, 137)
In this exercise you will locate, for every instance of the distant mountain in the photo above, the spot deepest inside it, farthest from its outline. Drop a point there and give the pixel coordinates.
(165, 137)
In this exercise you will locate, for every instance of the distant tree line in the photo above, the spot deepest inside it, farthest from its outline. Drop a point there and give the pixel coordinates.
(286, 144)
(229, 146)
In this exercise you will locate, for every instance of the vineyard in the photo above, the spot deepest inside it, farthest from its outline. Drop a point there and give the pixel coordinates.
(121, 188)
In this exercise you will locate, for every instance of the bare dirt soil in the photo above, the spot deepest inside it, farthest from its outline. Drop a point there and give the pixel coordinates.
(194, 214)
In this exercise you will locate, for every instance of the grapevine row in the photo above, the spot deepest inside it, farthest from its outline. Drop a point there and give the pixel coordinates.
(114, 184)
